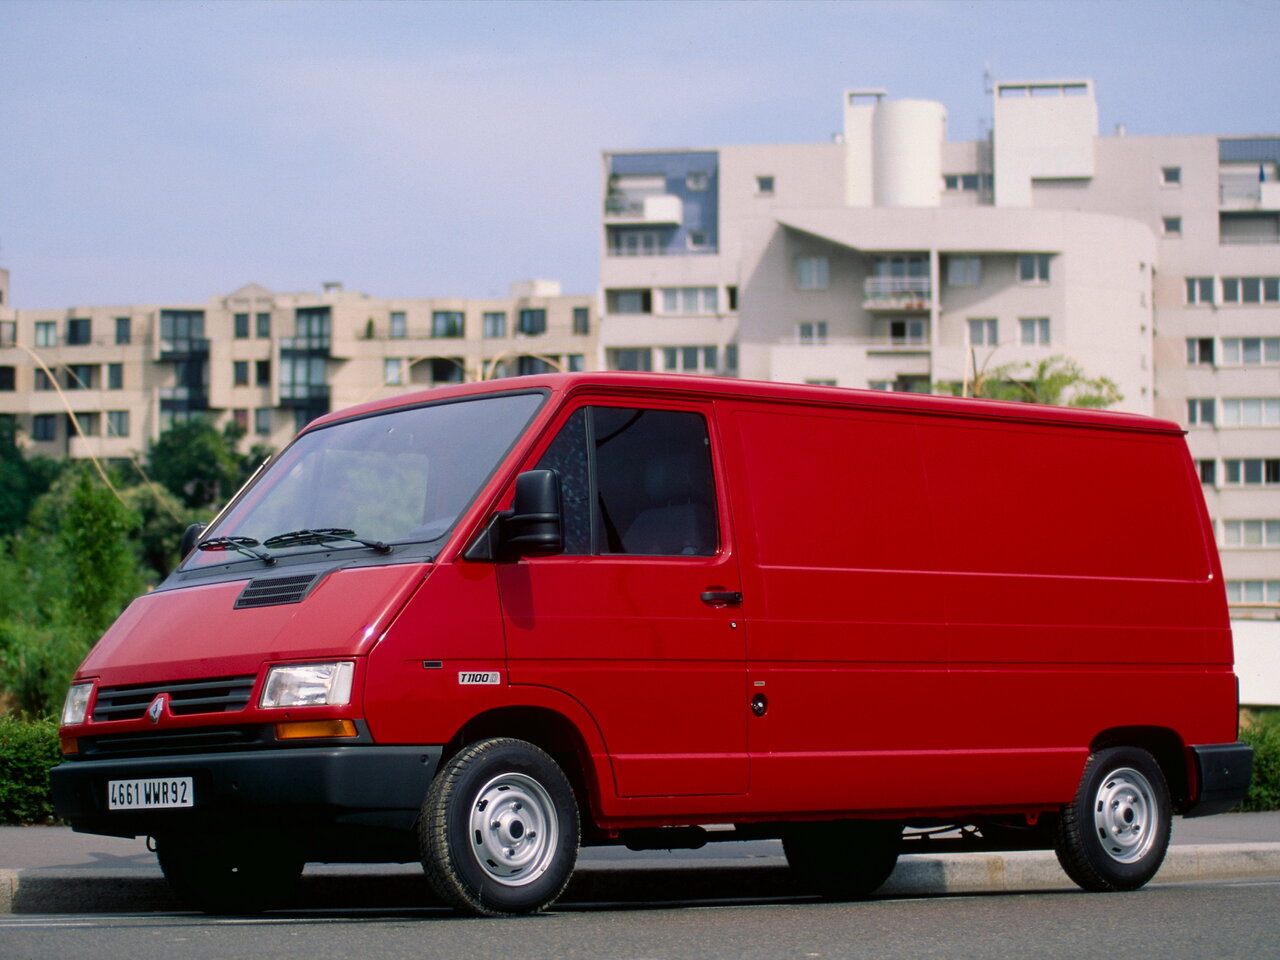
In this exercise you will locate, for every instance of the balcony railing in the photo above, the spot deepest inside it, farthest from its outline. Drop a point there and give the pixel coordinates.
(646, 208)
(303, 394)
(897, 293)
(183, 348)
(313, 343)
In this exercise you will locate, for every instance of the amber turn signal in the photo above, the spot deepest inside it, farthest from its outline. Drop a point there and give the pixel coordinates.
(303, 729)
(69, 745)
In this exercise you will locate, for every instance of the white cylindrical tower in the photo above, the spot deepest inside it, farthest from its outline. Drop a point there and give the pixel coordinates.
(908, 153)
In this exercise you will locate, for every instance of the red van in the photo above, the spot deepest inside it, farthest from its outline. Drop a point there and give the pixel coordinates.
(483, 625)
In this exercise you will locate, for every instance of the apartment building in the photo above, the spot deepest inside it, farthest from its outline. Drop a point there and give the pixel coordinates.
(103, 381)
(892, 258)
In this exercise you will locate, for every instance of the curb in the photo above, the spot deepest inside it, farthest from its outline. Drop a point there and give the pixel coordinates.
(124, 891)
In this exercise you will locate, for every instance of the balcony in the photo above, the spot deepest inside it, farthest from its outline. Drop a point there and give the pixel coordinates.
(656, 209)
(316, 344)
(1247, 191)
(307, 395)
(186, 348)
(897, 294)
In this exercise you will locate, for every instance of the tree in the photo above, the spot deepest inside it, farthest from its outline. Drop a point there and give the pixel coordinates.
(1056, 380)
(22, 480)
(67, 576)
(200, 465)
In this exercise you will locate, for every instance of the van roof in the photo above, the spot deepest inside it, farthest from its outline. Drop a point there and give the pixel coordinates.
(687, 386)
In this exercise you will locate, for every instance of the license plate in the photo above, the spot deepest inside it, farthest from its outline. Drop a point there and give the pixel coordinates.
(151, 794)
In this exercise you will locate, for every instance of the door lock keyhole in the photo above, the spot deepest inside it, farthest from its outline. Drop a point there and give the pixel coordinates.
(759, 704)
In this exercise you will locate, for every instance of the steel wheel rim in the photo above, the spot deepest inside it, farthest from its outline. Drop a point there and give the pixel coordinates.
(1125, 815)
(514, 829)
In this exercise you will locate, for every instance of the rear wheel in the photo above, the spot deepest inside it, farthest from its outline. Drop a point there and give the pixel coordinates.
(229, 873)
(499, 829)
(844, 860)
(1114, 834)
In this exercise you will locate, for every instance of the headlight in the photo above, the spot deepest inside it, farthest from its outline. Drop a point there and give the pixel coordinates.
(308, 685)
(76, 707)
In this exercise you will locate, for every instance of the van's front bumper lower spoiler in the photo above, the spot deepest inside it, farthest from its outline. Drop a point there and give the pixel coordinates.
(1223, 773)
(358, 785)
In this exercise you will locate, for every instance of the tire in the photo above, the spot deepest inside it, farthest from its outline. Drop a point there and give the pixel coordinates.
(844, 860)
(1114, 834)
(229, 873)
(498, 833)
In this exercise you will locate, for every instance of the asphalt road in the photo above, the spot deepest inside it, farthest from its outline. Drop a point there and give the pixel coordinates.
(1219, 921)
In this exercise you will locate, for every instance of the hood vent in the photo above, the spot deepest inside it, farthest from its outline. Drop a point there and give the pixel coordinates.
(270, 591)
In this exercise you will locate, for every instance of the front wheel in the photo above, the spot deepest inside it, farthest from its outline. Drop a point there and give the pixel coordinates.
(1114, 834)
(844, 860)
(498, 833)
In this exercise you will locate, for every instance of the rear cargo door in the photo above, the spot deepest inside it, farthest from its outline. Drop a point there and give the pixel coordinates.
(639, 618)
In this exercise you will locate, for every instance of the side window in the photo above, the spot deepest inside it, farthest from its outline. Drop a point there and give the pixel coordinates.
(636, 482)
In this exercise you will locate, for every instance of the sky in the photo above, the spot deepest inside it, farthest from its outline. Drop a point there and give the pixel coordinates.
(168, 152)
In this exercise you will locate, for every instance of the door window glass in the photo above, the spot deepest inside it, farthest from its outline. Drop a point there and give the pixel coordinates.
(635, 482)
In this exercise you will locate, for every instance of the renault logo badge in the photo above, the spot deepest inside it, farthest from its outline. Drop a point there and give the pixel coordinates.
(156, 708)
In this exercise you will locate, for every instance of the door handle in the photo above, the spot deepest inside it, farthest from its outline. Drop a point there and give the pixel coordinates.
(727, 597)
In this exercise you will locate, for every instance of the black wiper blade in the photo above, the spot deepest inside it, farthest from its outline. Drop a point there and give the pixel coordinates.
(239, 544)
(322, 535)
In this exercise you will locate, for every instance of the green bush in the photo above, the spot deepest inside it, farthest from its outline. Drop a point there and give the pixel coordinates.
(1262, 732)
(28, 750)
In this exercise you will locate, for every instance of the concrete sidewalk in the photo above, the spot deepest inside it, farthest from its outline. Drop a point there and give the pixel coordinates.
(53, 870)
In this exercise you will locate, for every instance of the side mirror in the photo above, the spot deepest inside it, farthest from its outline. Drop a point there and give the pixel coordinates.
(531, 528)
(190, 537)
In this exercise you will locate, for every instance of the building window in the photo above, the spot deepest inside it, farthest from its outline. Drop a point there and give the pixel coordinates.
(453, 370)
(262, 421)
(575, 362)
(688, 300)
(393, 371)
(532, 322)
(1200, 350)
(1252, 472)
(955, 182)
(731, 295)
(1251, 289)
(811, 273)
(581, 321)
(90, 422)
(1171, 226)
(44, 426)
(43, 380)
(1251, 533)
(1251, 412)
(907, 331)
(1208, 470)
(1033, 268)
(78, 333)
(1171, 176)
(639, 358)
(495, 324)
(263, 373)
(264, 326)
(811, 331)
(117, 423)
(115, 376)
(82, 376)
(1199, 290)
(46, 333)
(697, 180)
(1253, 591)
(764, 186)
(240, 373)
(1250, 350)
(242, 326)
(628, 301)
(964, 271)
(1034, 331)
(8, 379)
(124, 330)
(698, 240)
(399, 327)
(982, 333)
(447, 324)
(1200, 412)
(8, 333)
(690, 359)
(635, 243)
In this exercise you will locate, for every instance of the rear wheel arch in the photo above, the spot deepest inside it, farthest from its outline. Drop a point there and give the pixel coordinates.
(1164, 745)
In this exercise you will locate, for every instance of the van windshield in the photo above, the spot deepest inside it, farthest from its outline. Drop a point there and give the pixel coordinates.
(399, 477)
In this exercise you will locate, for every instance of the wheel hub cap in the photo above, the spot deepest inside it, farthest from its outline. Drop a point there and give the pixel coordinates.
(513, 829)
(1124, 813)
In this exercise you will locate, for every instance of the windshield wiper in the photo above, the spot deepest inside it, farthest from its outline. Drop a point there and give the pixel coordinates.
(240, 544)
(322, 535)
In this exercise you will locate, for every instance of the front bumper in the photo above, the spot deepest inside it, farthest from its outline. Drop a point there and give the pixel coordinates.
(1223, 773)
(356, 785)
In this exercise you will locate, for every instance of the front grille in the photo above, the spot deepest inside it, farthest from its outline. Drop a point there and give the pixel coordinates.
(218, 695)
(163, 742)
(269, 591)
